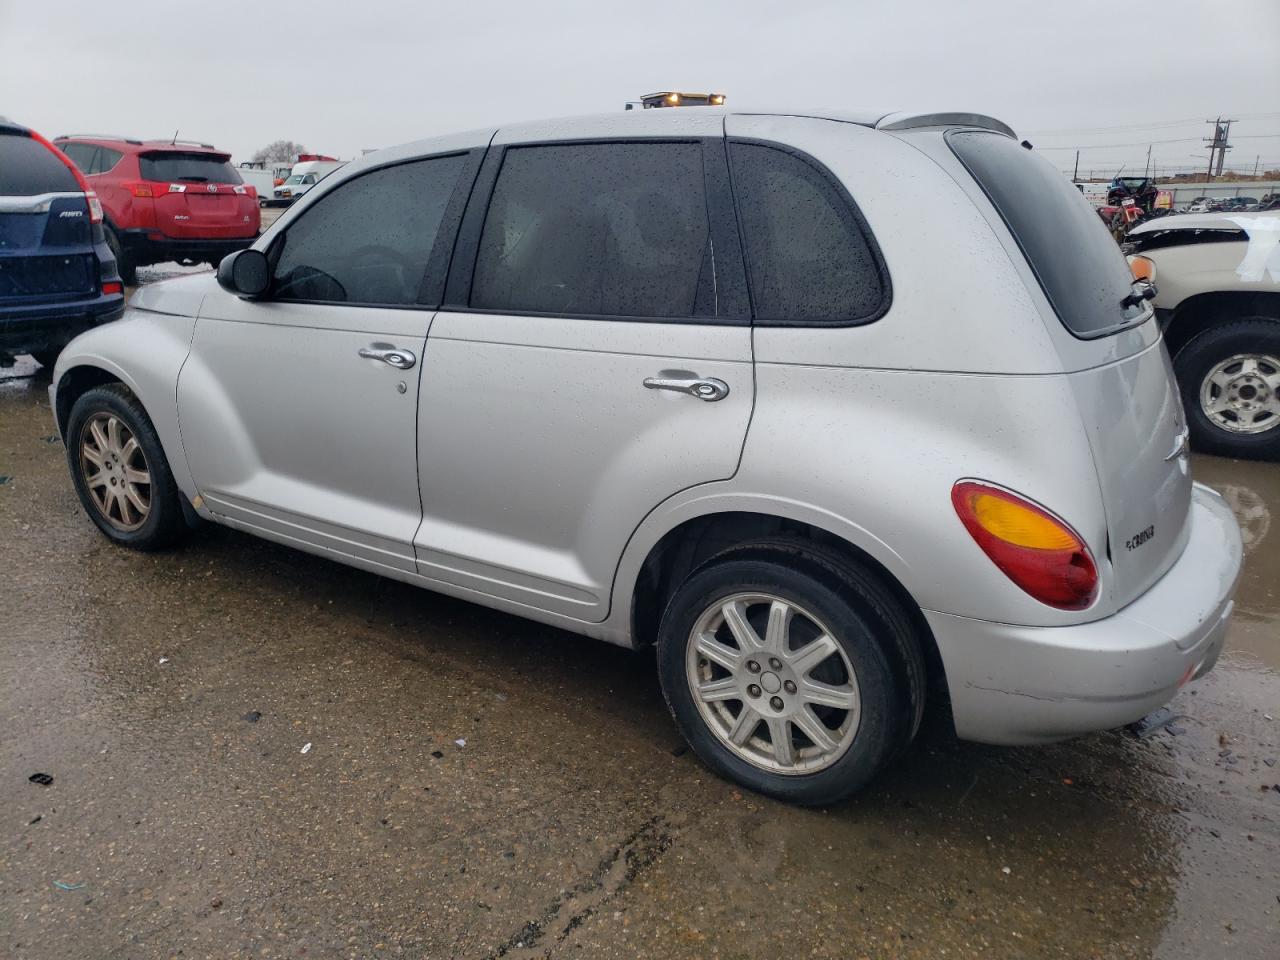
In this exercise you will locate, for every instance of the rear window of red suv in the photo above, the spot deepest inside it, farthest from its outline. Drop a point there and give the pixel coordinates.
(176, 167)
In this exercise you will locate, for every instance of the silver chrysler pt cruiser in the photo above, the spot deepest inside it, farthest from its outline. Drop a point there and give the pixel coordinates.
(834, 410)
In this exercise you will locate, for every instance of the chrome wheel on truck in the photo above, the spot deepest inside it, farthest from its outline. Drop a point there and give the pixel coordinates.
(1241, 394)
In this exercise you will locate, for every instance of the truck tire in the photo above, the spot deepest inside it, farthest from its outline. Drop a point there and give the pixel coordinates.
(1229, 377)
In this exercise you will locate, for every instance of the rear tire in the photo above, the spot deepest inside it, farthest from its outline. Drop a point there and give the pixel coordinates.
(120, 472)
(753, 718)
(127, 269)
(1229, 377)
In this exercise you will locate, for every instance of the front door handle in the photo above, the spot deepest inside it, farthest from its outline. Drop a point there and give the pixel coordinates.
(709, 389)
(397, 357)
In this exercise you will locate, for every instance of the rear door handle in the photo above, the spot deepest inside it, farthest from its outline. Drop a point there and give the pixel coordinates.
(709, 389)
(397, 357)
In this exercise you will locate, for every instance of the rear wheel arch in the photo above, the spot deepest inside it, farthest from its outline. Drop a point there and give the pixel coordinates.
(1194, 315)
(699, 541)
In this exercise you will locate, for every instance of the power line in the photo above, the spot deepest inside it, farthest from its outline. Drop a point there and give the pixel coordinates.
(1139, 126)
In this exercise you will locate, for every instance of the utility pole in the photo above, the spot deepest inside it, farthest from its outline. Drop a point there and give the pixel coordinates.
(1075, 174)
(1146, 171)
(1218, 144)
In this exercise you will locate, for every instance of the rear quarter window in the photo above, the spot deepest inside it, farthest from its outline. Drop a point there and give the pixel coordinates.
(1078, 264)
(810, 256)
(29, 168)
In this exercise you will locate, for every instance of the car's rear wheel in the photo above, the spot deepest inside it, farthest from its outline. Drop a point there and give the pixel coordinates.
(127, 269)
(1229, 376)
(120, 471)
(794, 675)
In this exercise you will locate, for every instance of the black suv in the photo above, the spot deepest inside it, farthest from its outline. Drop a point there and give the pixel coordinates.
(57, 275)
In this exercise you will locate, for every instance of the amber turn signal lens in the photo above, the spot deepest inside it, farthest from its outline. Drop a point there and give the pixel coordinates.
(1143, 269)
(1034, 549)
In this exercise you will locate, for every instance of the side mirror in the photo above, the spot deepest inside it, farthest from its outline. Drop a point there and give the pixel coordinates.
(245, 273)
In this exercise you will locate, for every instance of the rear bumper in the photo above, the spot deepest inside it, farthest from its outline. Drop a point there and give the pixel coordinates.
(1015, 684)
(144, 248)
(52, 325)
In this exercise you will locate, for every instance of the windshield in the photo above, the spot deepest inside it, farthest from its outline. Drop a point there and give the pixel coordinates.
(295, 179)
(1133, 181)
(188, 167)
(1079, 266)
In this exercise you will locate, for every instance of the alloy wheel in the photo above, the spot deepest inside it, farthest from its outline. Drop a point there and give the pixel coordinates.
(1241, 394)
(115, 472)
(772, 684)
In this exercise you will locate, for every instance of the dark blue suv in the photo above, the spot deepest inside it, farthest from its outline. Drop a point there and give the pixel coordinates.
(57, 274)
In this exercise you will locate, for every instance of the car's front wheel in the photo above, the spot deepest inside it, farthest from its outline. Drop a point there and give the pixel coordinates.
(794, 674)
(120, 471)
(1229, 376)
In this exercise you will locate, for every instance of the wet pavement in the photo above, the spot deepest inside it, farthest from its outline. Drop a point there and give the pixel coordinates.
(256, 752)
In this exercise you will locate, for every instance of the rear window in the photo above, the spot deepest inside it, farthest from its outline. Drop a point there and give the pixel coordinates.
(29, 168)
(187, 167)
(1078, 264)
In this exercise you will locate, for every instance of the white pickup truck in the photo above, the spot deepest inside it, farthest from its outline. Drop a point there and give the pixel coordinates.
(305, 175)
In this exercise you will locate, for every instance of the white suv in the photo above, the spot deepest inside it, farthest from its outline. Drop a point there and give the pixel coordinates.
(831, 409)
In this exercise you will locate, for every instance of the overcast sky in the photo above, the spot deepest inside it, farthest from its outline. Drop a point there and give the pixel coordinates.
(344, 76)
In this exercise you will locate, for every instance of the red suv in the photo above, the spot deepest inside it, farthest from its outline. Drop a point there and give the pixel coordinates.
(166, 200)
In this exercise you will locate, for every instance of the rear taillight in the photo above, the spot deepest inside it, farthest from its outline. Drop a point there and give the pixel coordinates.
(112, 286)
(95, 207)
(1034, 549)
(141, 189)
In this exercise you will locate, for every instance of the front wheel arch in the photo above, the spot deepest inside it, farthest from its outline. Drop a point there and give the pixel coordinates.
(75, 383)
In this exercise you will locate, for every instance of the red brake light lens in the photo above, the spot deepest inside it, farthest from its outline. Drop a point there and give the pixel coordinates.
(141, 189)
(112, 286)
(1034, 549)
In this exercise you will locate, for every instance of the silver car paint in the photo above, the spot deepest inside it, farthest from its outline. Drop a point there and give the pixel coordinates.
(540, 448)
(859, 431)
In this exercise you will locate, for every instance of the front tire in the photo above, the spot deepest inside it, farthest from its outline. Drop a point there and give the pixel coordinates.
(120, 472)
(791, 672)
(1229, 377)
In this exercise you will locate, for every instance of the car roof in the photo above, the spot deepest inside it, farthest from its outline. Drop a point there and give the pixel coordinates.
(663, 121)
(134, 145)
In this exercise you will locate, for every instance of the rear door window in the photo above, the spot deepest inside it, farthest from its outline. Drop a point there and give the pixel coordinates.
(1078, 264)
(29, 168)
(809, 256)
(106, 159)
(598, 230)
(178, 167)
(369, 239)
